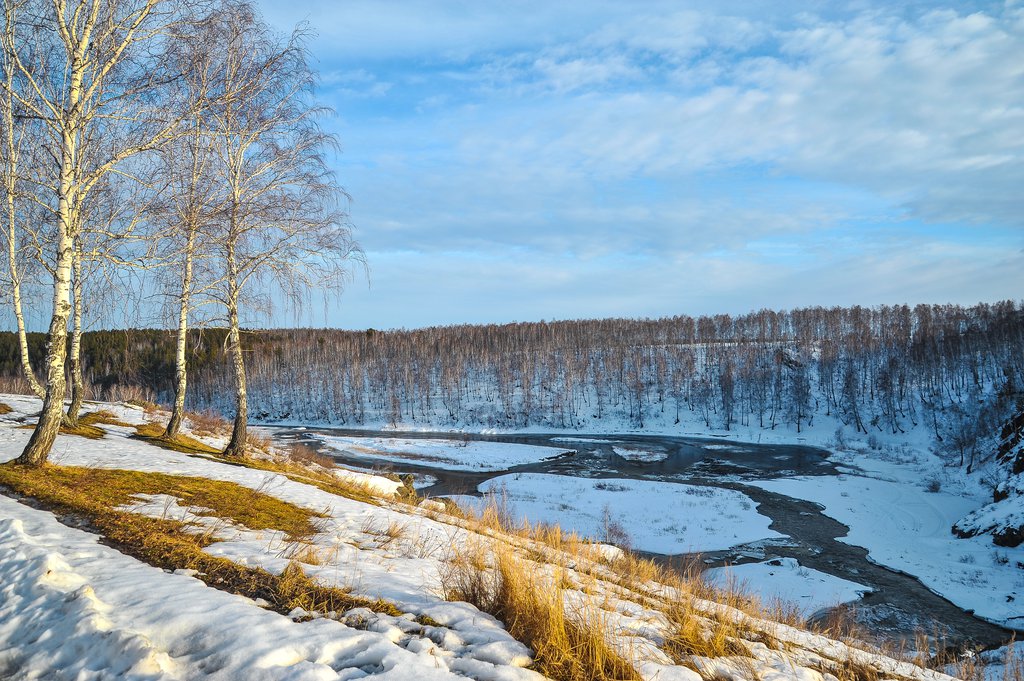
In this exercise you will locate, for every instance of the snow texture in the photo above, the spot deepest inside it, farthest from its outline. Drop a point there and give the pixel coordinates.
(660, 517)
(785, 580)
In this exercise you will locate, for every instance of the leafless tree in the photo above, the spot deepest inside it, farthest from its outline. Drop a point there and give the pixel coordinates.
(88, 71)
(281, 223)
(16, 133)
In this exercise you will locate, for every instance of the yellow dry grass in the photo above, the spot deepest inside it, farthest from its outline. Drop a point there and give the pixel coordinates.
(490, 576)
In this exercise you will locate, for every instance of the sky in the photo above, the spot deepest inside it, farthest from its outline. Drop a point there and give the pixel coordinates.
(520, 160)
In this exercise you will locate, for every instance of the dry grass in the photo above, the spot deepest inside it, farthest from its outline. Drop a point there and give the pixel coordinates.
(87, 431)
(494, 579)
(305, 455)
(154, 434)
(208, 424)
(88, 425)
(702, 621)
(93, 496)
(92, 490)
(150, 408)
(101, 417)
(5, 409)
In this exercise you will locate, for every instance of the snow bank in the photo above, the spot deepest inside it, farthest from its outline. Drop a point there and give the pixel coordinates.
(784, 579)
(74, 609)
(659, 517)
(907, 528)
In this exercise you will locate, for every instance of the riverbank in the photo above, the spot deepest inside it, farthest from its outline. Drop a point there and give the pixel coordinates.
(928, 590)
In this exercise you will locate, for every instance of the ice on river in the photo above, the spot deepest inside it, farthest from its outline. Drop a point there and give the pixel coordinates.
(456, 455)
(659, 517)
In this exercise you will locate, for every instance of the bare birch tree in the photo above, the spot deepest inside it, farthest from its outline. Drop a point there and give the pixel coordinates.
(281, 221)
(191, 197)
(16, 137)
(89, 70)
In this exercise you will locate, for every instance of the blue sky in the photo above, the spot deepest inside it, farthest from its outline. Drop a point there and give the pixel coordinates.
(532, 160)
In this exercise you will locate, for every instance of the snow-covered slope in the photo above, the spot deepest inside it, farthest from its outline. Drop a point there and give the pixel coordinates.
(1004, 517)
(71, 608)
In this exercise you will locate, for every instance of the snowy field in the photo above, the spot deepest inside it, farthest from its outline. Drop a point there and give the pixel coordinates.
(785, 580)
(448, 454)
(907, 528)
(660, 517)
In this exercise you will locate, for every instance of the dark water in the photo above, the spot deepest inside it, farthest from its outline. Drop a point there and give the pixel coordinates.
(898, 606)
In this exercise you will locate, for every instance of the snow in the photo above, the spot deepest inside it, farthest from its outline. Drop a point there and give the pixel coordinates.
(447, 454)
(375, 483)
(906, 528)
(637, 455)
(786, 581)
(659, 517)
(71, 608)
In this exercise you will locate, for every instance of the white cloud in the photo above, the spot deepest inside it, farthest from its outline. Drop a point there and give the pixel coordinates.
(732, 135)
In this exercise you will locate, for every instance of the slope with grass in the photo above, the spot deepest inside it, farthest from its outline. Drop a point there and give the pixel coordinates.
(128, 560)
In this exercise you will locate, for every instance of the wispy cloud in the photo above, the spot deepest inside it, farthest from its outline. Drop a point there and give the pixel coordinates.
(760, 134)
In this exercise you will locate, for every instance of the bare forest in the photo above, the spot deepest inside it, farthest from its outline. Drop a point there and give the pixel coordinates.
(956, 371)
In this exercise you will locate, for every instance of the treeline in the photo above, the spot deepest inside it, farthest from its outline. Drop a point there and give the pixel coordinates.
(952, 369)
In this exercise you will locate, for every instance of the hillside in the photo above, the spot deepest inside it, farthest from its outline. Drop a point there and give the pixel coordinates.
(947, 370)
(1004, 517)
(338, 578)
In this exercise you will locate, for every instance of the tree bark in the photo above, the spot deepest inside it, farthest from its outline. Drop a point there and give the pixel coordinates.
(75, 359)
(180, 359)
(238, 446)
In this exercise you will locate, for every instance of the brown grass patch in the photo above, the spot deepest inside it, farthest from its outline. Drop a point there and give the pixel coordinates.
(93, 495)
(88, 431)
(101, 417)
(95, 489)
(5, 409)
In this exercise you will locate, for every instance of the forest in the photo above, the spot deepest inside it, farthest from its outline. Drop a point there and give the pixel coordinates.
(957, 371)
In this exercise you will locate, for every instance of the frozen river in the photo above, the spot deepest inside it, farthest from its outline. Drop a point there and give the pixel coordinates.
(896, 607)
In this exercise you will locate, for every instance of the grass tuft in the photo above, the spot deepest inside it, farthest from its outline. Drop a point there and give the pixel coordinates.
(490, 576)
(5, 409)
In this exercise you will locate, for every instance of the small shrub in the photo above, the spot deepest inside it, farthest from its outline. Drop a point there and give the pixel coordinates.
(933, 485)
(306, 455)
(208, 423)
